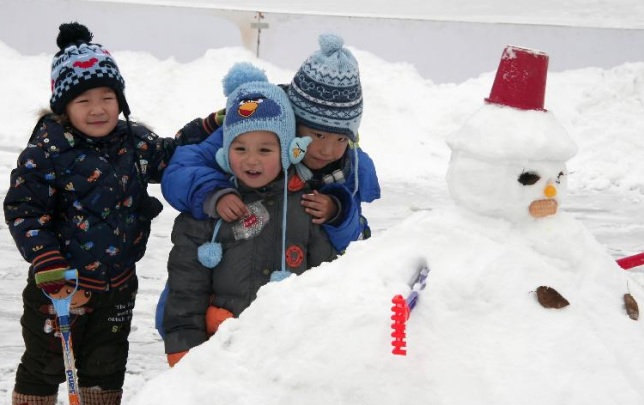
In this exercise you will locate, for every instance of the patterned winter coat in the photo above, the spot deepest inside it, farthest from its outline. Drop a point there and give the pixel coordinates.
(78, 201)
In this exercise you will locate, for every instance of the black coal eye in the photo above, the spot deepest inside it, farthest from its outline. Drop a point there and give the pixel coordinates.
(561, 174)
(528, 178)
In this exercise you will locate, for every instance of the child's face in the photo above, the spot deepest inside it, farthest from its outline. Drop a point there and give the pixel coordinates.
(326, 147)
(255, 158)
(95, 112)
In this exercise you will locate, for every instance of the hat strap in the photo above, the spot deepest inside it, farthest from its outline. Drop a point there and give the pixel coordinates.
(216, 231)
(304, 172)
(355, 170)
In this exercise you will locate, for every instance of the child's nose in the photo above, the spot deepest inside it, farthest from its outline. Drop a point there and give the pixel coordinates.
(326, 148)
(253, 158)
(95, 108)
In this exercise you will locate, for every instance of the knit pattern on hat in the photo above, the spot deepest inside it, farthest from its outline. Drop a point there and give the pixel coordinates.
(80, 66)
(255, 105)
(326, 93)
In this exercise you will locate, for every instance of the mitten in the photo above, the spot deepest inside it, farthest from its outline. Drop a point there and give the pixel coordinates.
(173, 358)
(214, 317)
(213, 121)
(51, 280)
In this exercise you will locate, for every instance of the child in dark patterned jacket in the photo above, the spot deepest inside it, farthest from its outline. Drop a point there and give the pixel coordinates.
(78, 199)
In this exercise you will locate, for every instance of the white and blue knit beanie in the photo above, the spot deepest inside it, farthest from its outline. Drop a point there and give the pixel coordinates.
(326, 93)
(254, 104)
(81, 65)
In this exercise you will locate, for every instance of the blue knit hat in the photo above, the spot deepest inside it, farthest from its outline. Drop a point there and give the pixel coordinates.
(80, 66)
(325, 93)
(254, 104)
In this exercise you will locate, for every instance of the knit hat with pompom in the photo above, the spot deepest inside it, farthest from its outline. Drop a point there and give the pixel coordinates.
(81, 65)
(326, 93)
(254, 104)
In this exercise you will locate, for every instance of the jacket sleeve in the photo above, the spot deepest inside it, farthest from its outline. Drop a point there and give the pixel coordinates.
(353, 225)
(29, 206)
(193, 174)
(350, 227)
(189, 287)
(368, 185)
(156, 151)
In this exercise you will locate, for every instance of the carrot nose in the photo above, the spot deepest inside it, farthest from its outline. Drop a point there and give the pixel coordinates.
(550, 191)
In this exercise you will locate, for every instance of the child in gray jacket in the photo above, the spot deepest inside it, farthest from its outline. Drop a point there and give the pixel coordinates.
(215, 268)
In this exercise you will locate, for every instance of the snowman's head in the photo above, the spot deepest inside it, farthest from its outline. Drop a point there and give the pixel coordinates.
(514, 190)
(510, 163)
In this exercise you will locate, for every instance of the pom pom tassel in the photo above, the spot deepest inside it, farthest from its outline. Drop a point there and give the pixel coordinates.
(279, 275)
(210, 253)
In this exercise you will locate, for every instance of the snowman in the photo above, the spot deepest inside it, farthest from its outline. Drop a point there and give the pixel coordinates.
(509, 159)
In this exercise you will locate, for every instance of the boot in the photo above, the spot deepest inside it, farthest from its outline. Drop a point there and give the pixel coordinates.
(22, 399)
(98, 396)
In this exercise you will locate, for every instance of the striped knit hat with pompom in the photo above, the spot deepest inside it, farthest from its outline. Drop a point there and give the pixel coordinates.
(326, 93)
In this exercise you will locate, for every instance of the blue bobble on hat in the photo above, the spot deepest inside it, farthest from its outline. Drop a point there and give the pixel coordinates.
(242, 73)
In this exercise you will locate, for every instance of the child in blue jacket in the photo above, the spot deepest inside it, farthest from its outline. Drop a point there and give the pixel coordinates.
(326, 96)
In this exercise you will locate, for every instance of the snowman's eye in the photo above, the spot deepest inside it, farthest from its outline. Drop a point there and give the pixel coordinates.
(561, 174)
(528, 178)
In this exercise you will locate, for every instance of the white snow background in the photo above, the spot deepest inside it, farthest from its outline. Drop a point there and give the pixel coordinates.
(477, 335)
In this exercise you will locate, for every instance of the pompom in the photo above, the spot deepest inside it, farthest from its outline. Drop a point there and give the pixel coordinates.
(72, 33)
(241, 73)
(330, 43)
(279, 275)
(210, 254)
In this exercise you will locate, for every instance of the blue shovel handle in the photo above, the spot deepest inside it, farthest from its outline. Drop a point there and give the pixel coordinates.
(61, 305)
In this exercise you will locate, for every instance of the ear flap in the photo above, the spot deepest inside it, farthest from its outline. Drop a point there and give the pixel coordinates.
(125, 108)
(297, 148)
(222, 160)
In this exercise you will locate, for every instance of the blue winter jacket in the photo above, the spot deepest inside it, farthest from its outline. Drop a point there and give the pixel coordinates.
(193, 174)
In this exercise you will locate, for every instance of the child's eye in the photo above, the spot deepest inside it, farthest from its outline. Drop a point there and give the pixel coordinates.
(343, 140)
(319, 136)
(266, 150)
(528, 178)
(238, 148)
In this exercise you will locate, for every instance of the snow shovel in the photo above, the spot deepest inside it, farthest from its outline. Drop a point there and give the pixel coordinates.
(61, 305)
(402, 310)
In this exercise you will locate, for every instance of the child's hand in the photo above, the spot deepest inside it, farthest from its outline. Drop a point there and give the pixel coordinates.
(320, 206)
(231, 208)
